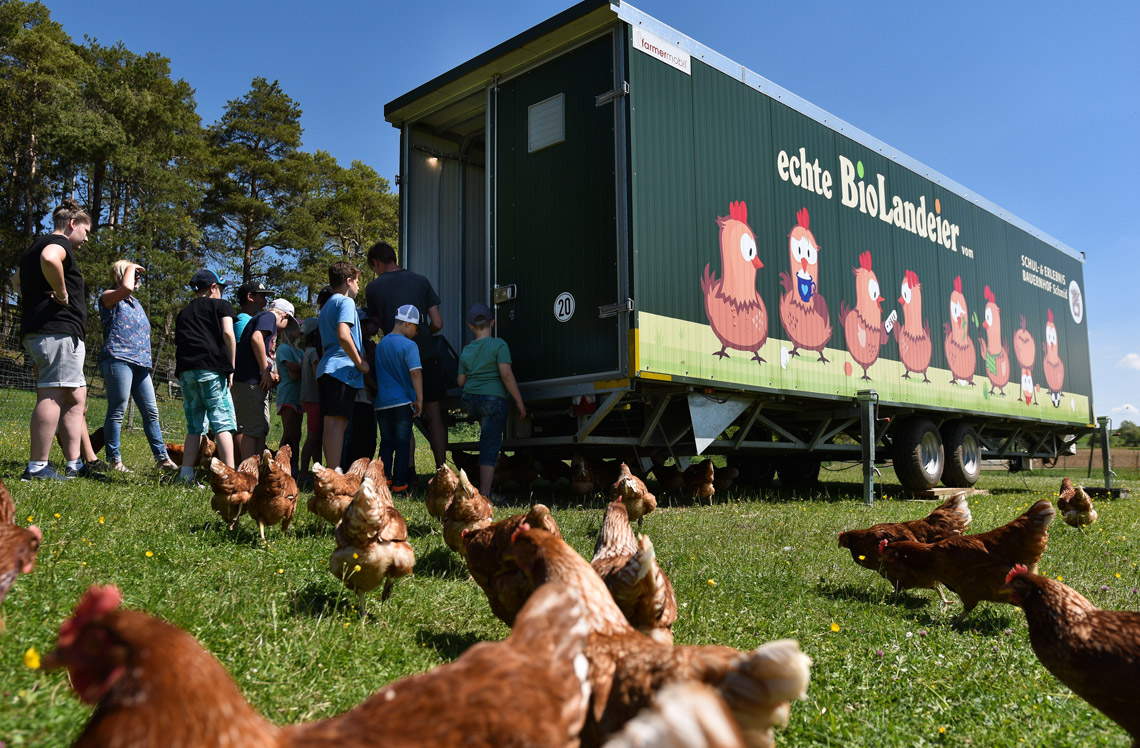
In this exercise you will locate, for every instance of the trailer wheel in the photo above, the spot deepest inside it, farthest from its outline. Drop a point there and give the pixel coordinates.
(963, 455)
(919, 457)
(756, 472)
(798, 471)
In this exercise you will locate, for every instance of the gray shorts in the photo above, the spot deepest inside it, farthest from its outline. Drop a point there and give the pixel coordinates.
(251, 404)
(58, 359)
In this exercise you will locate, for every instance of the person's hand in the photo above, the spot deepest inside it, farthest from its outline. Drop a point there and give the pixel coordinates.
(294, 368)
(522, 410)
(268, 379)
(61, 300)
(229, 381)
(417, 408)
(363, 366)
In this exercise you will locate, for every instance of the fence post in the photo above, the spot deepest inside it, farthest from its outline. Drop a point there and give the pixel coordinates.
(867, 434)
(1106, 452)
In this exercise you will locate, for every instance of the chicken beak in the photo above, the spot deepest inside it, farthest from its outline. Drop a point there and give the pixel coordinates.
(902, 301)
(756, 263)
(803, 264)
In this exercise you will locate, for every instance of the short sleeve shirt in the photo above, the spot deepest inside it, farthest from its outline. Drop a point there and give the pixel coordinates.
(310, 392)
(334, 361)
(198, 336)
(245, 365)
(240, 322)
(480, 362)
(126, 332)
(393, 290)
(396, 358)
(41, 315)
(288, 389)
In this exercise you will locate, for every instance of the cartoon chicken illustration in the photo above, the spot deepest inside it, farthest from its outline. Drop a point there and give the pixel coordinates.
(913, 335)
(863, 326)
(736, 312)
(1054, 367)
(959, 348)
(995, 351)
(1026, 352)
(803, 311)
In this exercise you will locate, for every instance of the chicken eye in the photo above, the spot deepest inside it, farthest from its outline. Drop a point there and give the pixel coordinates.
(747, 248)
(873, 289)
(1051, 335)
(809, 252)
(906, 293)
(989, 316)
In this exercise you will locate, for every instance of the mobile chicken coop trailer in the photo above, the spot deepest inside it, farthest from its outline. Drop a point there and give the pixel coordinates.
(684, 256)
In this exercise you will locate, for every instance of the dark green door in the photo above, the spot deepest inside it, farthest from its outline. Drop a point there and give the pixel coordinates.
(555, 226)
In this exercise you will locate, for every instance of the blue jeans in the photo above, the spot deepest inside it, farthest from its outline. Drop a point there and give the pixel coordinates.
(126, 380)
(492, 414)
(395, 441)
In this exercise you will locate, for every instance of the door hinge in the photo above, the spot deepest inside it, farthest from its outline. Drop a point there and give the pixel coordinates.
(612, 310)
(608, 96)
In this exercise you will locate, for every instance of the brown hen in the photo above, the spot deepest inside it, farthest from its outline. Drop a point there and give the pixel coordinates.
(627, 668)
(469, 510)
(206, 453)
(155, 686)
(18, 546)
(333, 490)
(1075, 505)
(631, 490)
(372, 545)
(1092, 651)
(233, 489)
(700, 480)
(440, 489)
(684, 715)
(275, 498)
(628, 566)
(974, 566)
(506, 586)
(951, 518)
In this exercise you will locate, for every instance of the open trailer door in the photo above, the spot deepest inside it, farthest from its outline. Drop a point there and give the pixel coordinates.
(555, 217)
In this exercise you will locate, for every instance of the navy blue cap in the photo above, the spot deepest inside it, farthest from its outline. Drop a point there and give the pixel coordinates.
(478, 311)
(203, 279)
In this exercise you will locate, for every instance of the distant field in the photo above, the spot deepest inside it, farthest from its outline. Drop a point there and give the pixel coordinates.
(753, 567)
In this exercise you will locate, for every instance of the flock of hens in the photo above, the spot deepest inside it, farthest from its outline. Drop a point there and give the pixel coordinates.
(590, 660)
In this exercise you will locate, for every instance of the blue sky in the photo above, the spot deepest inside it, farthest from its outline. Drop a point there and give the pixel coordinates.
(1032, 105)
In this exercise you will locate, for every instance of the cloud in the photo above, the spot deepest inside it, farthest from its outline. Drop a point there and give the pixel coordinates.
(1131, 361)
(1127, 411)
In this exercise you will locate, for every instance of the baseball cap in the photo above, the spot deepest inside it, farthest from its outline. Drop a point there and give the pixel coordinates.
(282, 305)
(203, 279)
(408, 313)
(251, 287)
(308, 325)
(478, 311)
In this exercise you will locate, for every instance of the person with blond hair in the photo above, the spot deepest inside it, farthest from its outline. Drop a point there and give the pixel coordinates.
(53, 328)
(125, 363)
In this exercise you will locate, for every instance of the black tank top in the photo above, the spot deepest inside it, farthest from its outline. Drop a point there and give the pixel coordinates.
(42, 315)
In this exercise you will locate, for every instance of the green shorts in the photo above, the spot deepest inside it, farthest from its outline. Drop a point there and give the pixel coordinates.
(206, 402)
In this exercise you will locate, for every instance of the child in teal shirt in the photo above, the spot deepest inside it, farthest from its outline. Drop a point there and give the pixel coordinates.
(486, 377)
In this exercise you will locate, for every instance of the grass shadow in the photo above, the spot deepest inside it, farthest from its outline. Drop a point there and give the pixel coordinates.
(441, 563)
(420, 529)
(313, 600)
(906, 599)
(449, 646)
(216, 533)
(311, 529)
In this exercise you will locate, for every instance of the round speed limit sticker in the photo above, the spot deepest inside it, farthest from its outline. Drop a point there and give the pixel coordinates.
(564, 307)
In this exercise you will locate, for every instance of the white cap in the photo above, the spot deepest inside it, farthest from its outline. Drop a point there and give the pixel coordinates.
(283, 305)
(408, 313)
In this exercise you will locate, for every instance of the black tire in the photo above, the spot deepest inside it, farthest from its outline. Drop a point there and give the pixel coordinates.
(798, 471)
(963, 455)
(919, 457)
(755, 472)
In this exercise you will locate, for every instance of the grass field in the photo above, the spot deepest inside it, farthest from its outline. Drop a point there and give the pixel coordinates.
(753, 567)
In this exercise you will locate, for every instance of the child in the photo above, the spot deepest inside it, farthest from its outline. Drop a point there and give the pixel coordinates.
(399, 393)
(360, 438)
(340, 373)
(255, 374)
(486, 377)
(205, 347)
(289, 393)
(311, 395)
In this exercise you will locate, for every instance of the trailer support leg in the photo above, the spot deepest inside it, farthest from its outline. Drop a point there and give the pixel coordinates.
(867, 401)
(1105, 424)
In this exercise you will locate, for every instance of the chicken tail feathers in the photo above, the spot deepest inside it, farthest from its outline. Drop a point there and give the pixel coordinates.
(761, 684)
(959, 505)
(707, 279)
(1041, 513)
(683, 715)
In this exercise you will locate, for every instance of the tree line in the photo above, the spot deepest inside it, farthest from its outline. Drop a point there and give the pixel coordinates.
(112, 128)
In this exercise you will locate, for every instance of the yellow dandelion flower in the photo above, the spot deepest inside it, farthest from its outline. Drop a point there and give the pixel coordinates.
(356, 568)
(862, 557)
(280, 571)
(32, 659)
(1118, 575)
(56, 515)
(834, 626)
(29, 518)
(712, 583)
(149, 554)
(943, 729)
(1060, 578)
(356, 555)
(100, 520)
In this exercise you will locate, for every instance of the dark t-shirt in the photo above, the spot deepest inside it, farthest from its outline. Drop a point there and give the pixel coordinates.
(198, 336)
(42, 315)
(245, 366)
(396, 288)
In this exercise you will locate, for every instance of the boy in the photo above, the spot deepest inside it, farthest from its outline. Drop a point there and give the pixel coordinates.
(341, 370)
(204, 347)
(289, 406)
(486, 377)
(252, 298)
(255, 374)
(399, 393)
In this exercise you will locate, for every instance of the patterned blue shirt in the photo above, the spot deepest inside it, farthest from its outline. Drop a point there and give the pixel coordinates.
(126, 332)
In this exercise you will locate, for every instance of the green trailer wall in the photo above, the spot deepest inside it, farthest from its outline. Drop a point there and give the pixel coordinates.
(701, 142)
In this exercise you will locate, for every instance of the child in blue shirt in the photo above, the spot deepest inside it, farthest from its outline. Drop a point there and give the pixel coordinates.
(486, 377)
(399, 394)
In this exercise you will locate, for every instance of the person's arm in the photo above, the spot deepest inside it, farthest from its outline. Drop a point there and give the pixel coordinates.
(231, 345)
(418, 386)
(268, 376)
(292, 368)
(435, 320)
(344, 337)
(508, 375)
(127, 286)
(461, 379)
(51, 264)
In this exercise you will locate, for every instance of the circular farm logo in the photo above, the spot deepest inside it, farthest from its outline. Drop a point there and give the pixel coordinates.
(564, 307)
(1076, 302)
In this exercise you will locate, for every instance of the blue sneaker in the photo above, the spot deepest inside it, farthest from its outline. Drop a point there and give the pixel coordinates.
(88, 470)
(45, 473)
